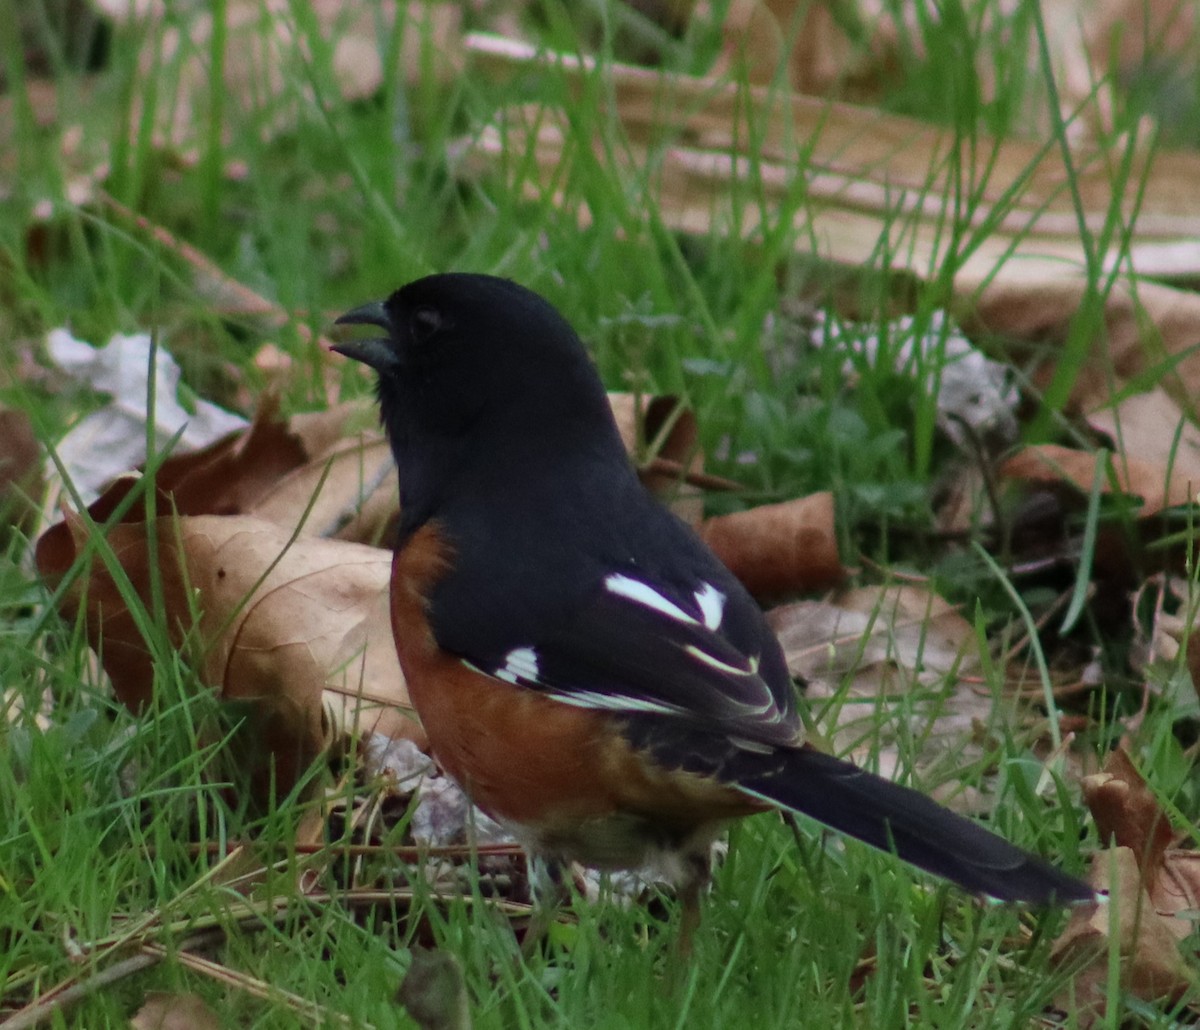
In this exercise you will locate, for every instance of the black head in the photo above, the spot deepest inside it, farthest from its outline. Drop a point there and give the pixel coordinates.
(476, 370)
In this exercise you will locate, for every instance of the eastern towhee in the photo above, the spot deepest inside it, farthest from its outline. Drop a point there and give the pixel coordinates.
(585, 667)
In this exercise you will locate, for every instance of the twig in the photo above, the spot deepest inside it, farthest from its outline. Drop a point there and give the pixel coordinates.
(73, 989)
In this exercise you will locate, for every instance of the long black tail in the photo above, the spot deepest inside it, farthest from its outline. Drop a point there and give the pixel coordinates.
(896, 819)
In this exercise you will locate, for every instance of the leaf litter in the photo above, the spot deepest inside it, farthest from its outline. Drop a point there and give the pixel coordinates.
(270, 541)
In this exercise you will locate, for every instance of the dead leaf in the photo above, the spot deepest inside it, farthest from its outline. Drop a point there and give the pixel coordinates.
(164, 1011)
(1163, 614)
(975, 396)
(1145, 325)
(1127, 813)
(307, 472)
(300, 627)
(1152, 428)
(20, 466)
(761, 37)
(1122, 39)
(1151, 966)
(1058, 465)
(875, 183)
(910, 653)
(262, 70)
(348, 492)
(862, 162)
(905, 625)
(663, 438)
(779, 549)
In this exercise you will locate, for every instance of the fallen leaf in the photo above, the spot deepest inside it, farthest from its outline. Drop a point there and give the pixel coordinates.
(1163, 619)
(266, 70)
(20, 466)
(306, 473)
(1122, 39)
(862, 163)
(778, 549)
(825, 47)
(762, 37)
(298, 626)
(1147, 325)
(662, 437)
(908, 653)
(1057, 465)
(976, 397)
(348, 492)
(1151, 966)
(1127, 813)
(230, 474)
(165, 1011)
(875, 183)
(1152, 427)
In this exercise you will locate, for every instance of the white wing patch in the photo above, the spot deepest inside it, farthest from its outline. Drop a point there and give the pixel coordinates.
(749, 669)
(613, 702)
(521, 663)
(644, 594)
(712, 606)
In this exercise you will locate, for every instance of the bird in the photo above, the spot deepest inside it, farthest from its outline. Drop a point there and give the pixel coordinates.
(586, 669)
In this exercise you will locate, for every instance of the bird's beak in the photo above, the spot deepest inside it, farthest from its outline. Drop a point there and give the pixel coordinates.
(376, 352)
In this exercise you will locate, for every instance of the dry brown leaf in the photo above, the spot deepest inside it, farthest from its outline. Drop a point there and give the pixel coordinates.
(778, 549)
(1151, 966)
(1144, 324)
(20, 465)
(663, 437)
(908, 651)
(261, 69)
(1163, 616)
(305, 472)
(346, 488)
(164, 1011)
(907, 626)
(1095, 50)
(1144, 30)
(227, 476)
(1127, 814)
(825, 45)
(299, 627)
(1057, 465)
(1153, 888)
(875, 183)
(1151, 427)
(1120, 40)
(760, 36)
(864, 163)
(355, 490)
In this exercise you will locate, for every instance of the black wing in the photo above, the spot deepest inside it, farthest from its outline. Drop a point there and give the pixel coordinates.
(642, 648)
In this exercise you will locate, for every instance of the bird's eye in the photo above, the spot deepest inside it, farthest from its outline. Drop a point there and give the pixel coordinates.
(425, 322)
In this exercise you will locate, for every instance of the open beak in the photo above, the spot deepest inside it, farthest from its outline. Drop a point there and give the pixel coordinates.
(376, 352)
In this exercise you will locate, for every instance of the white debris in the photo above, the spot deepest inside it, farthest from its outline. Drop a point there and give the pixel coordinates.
(112, 441)
(972, 390)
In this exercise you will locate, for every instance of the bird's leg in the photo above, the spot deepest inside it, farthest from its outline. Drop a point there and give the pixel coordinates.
(695, 882)
(548, 893)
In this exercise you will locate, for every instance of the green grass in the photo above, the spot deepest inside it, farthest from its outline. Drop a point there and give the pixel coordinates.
(99, 810)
